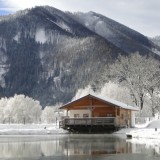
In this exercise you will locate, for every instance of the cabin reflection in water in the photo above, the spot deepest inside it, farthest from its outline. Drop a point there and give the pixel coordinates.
(97, 147)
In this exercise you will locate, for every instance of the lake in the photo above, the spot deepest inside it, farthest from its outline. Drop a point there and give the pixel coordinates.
(77, 147)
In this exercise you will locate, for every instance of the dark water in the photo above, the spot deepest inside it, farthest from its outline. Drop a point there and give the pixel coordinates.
(77, 147)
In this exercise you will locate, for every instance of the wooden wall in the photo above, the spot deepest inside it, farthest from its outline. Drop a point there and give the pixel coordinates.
(124, 118)
(105, 111)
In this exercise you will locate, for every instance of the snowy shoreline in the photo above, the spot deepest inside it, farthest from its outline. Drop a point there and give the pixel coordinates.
(30, 129)
(149, 131)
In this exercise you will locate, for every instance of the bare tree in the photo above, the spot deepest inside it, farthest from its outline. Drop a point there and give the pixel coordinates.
(140, 74)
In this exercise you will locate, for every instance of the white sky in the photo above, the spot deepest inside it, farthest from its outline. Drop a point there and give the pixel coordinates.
(140, 15)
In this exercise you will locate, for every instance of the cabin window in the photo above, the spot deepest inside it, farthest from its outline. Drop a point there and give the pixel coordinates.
(85, 115)
(76, 115)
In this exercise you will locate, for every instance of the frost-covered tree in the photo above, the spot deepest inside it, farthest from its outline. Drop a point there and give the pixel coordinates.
(109, 89)
(3, 103)
(154, 97)
(117, 92)
(25, 109)
(51, 114)
(140, 74)
(83, 92)
(48, 115)
(20, 109)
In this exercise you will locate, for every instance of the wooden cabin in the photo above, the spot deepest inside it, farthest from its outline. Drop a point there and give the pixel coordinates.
(93, 113)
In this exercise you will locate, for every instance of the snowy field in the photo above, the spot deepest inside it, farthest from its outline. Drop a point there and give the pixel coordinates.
(30, 129)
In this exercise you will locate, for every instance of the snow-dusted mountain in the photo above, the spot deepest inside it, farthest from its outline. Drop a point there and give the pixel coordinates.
(49, 54)
(121, 36)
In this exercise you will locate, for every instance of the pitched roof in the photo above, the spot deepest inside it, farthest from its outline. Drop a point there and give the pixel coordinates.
(104, 99)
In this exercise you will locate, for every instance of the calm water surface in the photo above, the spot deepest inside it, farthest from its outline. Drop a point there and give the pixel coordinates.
(77, 147)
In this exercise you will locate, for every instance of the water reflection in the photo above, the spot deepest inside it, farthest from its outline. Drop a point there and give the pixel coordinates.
(95, 145)
(145, 145)
(30, 147)
(73, 146)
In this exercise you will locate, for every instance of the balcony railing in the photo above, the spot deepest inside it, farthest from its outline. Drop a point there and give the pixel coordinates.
(95, 121)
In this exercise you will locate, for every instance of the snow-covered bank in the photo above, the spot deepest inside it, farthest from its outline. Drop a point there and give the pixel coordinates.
(149, 131)
(145, 133)
(30, 129)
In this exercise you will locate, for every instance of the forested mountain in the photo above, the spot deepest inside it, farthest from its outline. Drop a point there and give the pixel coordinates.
(49, 54)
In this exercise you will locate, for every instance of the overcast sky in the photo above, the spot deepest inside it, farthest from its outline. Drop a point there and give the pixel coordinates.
(140, 15)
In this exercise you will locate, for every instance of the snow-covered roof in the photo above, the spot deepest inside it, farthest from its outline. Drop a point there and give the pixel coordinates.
(115, 102)
(104, 99)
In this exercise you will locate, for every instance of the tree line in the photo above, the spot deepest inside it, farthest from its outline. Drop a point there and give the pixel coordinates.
(23, 109)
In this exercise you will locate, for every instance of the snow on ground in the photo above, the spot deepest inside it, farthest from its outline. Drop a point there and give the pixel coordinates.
(151, 133)
(149, 130)
(154, 124)
(30, 129)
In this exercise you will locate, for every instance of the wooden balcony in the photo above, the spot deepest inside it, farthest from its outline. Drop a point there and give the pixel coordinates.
(95, 121)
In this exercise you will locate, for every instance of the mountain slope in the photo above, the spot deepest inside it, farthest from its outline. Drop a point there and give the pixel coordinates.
(48, 55)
